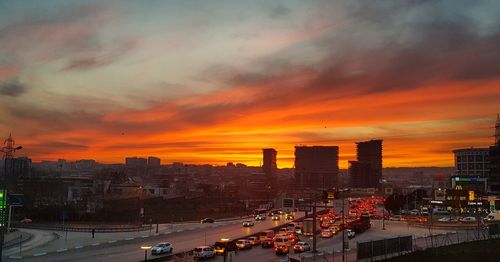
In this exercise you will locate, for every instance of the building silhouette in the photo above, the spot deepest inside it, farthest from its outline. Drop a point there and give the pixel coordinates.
(366, 172)
(153, 161)
(316, 166)
(269, 158)
(494, 175)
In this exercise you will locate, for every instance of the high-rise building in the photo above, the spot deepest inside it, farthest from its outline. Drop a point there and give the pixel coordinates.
(136, 166)
(494, 175)
(317, 166)
(472, 166)
(269, 158)
(153, 161)
(135, 162)
(366, 172)
(270, 169)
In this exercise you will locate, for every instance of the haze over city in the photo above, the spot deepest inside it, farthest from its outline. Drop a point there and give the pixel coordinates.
(217, 81)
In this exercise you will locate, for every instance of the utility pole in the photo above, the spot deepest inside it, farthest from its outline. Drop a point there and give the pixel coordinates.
(9, 151)
(343, 219)
(314, 230)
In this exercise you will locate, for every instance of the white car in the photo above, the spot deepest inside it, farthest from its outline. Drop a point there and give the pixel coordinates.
(395, 218)
(301, 247)
(468, 219)
(248, 223)
(243, 244)
(350, 233)
(260, 217)
(162, 248)
(204, 252)
(414, 212)
(444, 219)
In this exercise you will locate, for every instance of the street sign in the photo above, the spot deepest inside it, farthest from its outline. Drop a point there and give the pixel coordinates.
(16, 200)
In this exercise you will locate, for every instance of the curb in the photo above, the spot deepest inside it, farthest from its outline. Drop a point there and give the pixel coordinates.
(8, 245)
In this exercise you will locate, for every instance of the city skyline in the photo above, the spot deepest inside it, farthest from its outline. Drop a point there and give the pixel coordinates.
(219, 82)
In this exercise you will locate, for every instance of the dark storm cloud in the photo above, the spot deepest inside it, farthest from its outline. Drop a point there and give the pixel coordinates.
(12, 88)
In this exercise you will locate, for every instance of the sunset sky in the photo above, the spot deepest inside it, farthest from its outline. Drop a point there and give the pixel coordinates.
(217, 81)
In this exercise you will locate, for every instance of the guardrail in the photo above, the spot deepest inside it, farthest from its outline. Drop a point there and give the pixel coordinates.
(85, 228)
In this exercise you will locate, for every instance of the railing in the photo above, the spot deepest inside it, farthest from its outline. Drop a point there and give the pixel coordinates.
(84, 228)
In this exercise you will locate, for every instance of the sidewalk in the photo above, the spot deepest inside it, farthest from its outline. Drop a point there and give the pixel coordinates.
(13, 238)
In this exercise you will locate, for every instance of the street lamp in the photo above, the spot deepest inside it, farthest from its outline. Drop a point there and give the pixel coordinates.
(146, 248)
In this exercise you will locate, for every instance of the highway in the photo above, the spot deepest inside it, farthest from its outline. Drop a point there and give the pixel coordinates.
(200, 234)
(196, 234)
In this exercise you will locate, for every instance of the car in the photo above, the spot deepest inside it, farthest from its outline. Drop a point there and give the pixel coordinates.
(254, 241)
(334, 229)
(275, 218)
(225, 244)
(396, 218)
(281, 250)
(326, 233)
(267, 243)
(162, 248)
(26, 221)
(350, 233)
(243, 244)
(468, 219)
(289, 217)
(414, 212)
(247, 223)
(444, 219)
(203, 252)
(207, 220)
(260, 217)
(301, 247)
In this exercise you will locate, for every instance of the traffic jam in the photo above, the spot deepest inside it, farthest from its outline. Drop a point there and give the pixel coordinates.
(296, 235)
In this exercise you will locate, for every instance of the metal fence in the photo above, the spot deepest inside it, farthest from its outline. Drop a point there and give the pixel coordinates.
(392, 247)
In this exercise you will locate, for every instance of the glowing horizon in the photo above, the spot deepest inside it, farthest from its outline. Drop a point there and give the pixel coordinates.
(215, 82)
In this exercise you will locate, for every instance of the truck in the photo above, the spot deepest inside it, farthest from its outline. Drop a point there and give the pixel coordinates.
(308, 227)
(360, 225)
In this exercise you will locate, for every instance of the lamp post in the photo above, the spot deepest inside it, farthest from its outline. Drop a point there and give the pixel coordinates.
(146, 248)
(9, 151)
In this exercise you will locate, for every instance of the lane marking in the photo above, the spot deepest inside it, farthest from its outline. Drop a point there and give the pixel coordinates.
(96, 244)
(61, 250)
(129, 238)
(78, 247)
(15, 257)
(112, 241)
(40, 254)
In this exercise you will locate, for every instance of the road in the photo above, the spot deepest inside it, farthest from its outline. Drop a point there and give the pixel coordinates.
(207, 234)
(200, 234)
